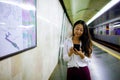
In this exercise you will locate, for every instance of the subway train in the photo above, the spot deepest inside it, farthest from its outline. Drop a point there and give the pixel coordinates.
(106, 28)
(108, 31)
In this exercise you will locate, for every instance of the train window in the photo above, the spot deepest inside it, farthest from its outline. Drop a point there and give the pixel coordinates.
(117, 31)
(107, 29)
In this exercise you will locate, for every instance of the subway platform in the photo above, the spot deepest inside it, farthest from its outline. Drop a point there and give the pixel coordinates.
(105, 65)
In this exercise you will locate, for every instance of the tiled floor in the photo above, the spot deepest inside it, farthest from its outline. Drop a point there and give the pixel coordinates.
(103, 67)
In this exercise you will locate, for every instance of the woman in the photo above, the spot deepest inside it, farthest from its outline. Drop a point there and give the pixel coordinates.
(78, 59)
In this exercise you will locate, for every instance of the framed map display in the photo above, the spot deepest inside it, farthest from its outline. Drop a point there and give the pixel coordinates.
(17, 26)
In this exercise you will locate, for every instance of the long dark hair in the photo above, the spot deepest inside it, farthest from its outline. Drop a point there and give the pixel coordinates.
(85, 38)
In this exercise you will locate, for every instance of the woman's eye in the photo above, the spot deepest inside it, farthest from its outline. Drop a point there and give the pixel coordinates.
(81, 30)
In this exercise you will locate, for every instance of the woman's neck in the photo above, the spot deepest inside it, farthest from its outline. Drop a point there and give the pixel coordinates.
(75, 40)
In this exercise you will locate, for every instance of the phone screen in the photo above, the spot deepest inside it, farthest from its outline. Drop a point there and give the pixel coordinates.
(77, 46)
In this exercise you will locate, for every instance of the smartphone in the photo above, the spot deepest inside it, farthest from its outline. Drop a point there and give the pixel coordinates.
(77, 46)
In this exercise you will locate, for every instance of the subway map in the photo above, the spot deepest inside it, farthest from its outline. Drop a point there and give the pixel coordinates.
(14, 35)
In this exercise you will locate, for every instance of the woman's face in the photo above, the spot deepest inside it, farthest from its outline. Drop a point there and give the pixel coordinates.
(78, 30)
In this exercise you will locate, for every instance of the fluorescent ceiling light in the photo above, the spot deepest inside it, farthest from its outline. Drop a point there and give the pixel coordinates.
(116, 25)
(104, 9)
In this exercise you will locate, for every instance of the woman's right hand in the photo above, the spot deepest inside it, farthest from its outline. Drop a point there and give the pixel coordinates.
(71, 51)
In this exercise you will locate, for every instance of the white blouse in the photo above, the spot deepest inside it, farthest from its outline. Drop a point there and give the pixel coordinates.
(73, 60)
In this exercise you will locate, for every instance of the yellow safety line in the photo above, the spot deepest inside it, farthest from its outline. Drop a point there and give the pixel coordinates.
(101, 47)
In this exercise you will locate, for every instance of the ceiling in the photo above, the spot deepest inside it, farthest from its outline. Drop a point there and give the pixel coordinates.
(83, 9)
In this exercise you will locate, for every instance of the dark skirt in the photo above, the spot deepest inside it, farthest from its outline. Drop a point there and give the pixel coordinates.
(81, 73)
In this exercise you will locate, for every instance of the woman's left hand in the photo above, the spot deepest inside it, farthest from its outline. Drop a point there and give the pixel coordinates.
(80, 53)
